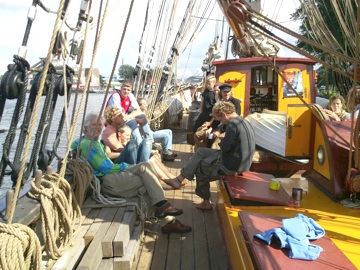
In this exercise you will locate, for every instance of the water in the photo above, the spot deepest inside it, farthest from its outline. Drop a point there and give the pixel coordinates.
(94, 105)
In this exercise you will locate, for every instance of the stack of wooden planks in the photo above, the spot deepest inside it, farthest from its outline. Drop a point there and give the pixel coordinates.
(109, 238)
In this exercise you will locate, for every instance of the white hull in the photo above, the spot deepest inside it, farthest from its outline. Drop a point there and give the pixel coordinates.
(270, 130)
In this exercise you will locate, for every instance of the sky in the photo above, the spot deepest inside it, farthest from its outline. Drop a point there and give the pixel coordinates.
(13, 19)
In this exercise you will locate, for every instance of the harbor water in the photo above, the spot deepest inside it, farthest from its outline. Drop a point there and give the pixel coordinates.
(95, 101)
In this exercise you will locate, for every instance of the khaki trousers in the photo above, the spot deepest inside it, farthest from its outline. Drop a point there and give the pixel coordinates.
(132, 181)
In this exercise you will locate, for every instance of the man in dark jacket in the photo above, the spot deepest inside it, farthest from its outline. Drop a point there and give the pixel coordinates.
(235, 155)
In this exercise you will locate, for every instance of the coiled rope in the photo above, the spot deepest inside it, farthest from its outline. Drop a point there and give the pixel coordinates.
(81, 173)
(19, 247)
(60, 211)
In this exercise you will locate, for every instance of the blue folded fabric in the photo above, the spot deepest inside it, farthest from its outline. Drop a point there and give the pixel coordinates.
(295, 235)
(279, 233)
(302, 226)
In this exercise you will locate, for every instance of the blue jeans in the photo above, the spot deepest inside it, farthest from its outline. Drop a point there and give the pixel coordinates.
(133, 154)
(164, 137)
(135, 130)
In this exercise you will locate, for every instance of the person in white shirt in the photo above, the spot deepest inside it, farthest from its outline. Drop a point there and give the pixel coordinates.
(130, 109)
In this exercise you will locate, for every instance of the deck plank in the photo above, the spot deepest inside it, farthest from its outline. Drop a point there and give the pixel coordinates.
(107, 242)
(204, 247)
(122, 237)
(93, 255)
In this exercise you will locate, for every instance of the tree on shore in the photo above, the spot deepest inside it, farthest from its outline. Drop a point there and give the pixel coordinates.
(126, 72)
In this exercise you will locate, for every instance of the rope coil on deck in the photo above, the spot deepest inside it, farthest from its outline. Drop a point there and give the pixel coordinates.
(19, 247)
(59, 212)
(81, 172)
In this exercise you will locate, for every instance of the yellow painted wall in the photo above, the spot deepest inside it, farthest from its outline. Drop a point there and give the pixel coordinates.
(238, 82)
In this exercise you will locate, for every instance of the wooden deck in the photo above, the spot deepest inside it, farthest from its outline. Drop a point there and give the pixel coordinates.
(204, 247)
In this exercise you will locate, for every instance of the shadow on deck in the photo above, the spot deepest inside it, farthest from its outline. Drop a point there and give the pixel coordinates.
(204, 247)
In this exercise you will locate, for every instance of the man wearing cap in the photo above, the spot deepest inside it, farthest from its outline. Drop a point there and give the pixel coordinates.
(235, 155)
(213, 125)
(130, 109)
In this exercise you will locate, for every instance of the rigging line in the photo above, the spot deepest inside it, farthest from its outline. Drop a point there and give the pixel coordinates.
(347, 21)
(162, 59)
(182, 26)
(90, 73)
(277, 11)
(222, 30)
(78, 108)
(27, 146)
(18, 110)
(300, 51)
(64, 116)
(198, 29)
(54, 100)
(187, 61)
(298, 36)
(161, 56)
(152, 50)
(136, 88)
(209, 19)
(354, 132)
(117, 55)
(140, 63)
(144, 27)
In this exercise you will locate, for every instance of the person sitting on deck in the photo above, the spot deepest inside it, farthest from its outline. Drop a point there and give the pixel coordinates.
(163, 136)
(337, 109)
(235, 155)
(201, 137)
(123, 180)
(122, 148)
(128, 105)
(131, 155)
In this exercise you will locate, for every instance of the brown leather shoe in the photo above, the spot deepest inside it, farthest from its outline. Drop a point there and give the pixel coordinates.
(175, 226)
(167, 210)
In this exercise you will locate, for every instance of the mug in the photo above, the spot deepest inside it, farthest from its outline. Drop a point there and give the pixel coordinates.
(297, 194)
(274, 184)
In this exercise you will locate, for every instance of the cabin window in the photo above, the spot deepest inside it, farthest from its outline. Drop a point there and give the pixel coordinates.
(259, 76)
(262, 89)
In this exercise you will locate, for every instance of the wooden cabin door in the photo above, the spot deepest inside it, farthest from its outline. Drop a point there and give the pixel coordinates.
(298, 114)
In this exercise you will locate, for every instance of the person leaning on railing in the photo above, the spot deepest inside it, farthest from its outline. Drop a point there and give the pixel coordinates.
(337, 109)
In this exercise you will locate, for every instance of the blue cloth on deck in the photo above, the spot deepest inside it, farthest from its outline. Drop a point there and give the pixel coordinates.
(295, 235)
